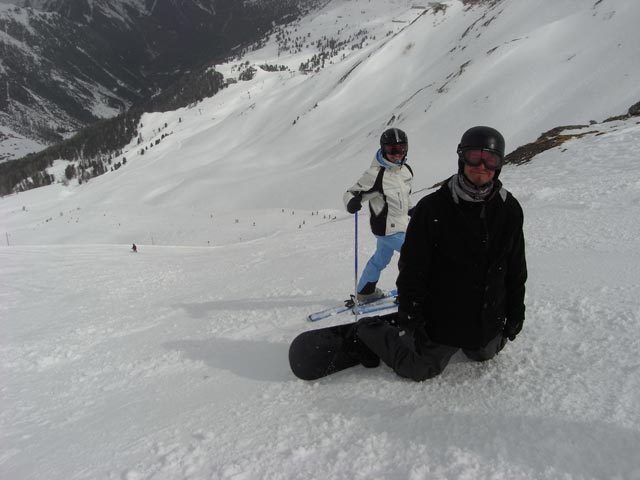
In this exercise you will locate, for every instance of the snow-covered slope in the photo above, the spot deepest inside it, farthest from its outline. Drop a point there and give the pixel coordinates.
(172, 363)
(293, 140)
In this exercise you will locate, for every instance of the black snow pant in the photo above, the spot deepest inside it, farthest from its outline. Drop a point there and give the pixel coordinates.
(414, 355)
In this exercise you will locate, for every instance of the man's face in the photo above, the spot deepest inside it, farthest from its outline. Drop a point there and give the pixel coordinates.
(479, 175)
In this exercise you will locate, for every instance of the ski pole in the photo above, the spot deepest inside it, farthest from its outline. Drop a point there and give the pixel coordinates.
(355, 284)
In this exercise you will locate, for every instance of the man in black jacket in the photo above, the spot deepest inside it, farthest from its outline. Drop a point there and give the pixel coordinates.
(462, 271)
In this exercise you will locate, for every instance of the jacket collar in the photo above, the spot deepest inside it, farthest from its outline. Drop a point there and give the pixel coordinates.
(386, 163)
(498, 189)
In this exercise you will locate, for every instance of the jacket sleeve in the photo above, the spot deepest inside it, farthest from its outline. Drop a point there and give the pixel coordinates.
(516, 275)
(415, 260)
(363, 186)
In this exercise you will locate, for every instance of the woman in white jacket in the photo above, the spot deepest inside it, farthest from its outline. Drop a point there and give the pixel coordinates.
(386, 185)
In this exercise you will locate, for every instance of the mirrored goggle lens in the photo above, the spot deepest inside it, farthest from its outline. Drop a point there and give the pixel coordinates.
(491, 160)
(395, 149)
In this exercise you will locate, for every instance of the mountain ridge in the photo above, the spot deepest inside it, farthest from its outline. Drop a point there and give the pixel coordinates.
(79, 62)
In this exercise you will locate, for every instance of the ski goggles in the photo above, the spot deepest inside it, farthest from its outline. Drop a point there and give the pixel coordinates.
(400, 149)
(491, 160)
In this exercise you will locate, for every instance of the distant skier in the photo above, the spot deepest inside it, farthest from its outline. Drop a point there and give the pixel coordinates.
(462, 271)
(134, 249)
(386, 185)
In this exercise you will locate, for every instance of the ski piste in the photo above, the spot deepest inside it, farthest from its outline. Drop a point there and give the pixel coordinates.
(383, 303)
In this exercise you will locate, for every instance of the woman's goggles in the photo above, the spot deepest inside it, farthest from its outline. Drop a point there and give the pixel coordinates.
(400, 149)
(473, 158)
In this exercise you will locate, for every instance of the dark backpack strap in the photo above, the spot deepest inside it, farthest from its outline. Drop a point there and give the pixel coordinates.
(410, 169)
(378, 222)
(377, 185)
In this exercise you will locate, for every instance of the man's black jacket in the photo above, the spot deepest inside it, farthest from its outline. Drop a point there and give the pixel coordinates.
(463, 267)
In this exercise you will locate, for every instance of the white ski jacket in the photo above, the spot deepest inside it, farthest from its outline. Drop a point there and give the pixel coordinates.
(387, 187)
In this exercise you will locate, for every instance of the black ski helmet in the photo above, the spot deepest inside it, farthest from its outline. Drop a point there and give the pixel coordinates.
(393, 136)
(485, 138)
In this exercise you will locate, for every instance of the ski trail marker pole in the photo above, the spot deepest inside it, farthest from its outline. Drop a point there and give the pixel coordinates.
(355, 278)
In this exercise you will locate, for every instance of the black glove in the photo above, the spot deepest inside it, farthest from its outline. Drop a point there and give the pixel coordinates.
(355, 204)
(512, 329)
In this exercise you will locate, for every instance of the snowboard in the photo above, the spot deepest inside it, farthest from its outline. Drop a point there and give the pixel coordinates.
(317, 353)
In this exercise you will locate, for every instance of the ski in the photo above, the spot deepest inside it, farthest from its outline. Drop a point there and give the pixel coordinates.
(376, 307)
(388, 301)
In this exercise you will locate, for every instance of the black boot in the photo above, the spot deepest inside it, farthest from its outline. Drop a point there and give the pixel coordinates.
(358, 350)
(369, 288)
